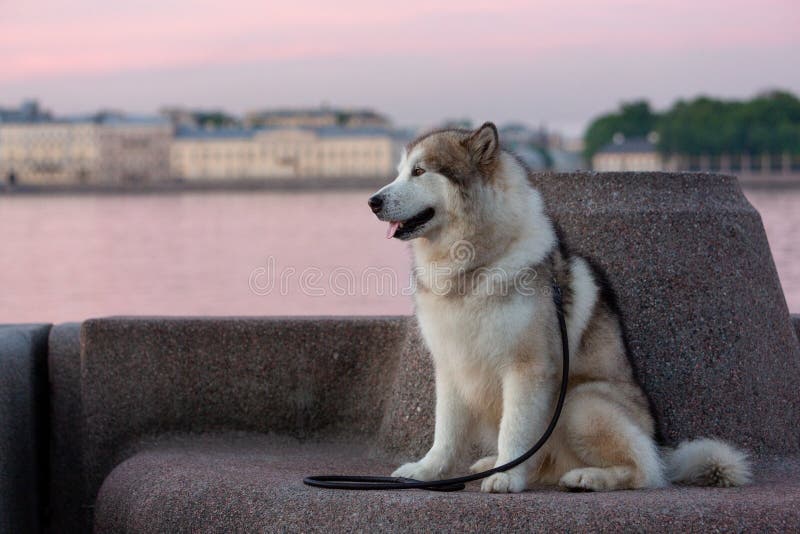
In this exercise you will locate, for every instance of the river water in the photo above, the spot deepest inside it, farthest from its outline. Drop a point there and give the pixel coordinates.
(68, 258)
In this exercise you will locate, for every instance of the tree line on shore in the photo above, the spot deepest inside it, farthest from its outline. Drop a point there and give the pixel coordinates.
(769, 123)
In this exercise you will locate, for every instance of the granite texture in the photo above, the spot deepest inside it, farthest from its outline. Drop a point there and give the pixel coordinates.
(406, 431)
(706, 319)
(68, 505)
(796, 323)
(23, 426)
(253, 484)
(305, 377)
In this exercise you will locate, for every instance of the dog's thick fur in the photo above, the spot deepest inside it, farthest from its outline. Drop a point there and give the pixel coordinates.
(480, 236)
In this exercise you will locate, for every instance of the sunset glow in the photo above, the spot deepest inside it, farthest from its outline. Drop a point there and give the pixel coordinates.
(56, 43)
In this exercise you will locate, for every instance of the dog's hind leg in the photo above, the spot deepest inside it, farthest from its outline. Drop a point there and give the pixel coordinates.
(615, 452)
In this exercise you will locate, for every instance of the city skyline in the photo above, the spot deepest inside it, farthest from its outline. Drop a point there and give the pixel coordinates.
(553, 63)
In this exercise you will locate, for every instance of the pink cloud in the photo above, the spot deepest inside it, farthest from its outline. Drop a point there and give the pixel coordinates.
(57, 37)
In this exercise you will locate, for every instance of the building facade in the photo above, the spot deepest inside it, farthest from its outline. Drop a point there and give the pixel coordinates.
(109, 150)
(321, 117)
(641, 155)
(628, 155)
(28, 111)
(282, 153)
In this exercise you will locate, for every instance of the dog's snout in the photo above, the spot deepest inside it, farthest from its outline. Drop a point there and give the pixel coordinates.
(375, 203)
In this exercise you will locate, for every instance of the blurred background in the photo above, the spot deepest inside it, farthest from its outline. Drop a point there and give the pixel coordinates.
(214, 158)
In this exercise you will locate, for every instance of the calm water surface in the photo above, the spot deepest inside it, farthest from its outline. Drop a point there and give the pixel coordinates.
(68, 258)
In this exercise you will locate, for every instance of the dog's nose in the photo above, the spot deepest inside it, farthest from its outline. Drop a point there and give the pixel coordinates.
(375, 203)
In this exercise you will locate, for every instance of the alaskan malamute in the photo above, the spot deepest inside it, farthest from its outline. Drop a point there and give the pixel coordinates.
(485, 255)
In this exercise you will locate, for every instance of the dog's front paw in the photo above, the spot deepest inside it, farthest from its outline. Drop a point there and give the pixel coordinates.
(419, 471)
(503, 483)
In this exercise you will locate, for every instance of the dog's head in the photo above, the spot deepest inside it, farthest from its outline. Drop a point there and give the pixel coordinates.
(437, 175)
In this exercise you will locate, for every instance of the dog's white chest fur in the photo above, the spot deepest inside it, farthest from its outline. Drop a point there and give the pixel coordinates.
(465, 329)
(471, 340)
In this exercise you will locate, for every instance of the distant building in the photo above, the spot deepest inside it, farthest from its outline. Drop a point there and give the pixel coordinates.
(451, 124)
(540, 149)
(316, 118)
(283, 152)
(102, 149)
(572, 144)
(518, 133)
(180, 117)
(533, 158)
(636, 154)
(110, 147)
(566, 160)
(28, 111)
(199, 118)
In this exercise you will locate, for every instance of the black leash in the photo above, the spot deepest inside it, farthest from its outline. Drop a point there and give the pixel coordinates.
(457, 484)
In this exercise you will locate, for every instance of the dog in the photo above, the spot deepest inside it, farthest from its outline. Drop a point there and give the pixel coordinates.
(485, 255)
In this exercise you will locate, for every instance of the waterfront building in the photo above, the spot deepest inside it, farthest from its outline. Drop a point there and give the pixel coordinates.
(232, 154)
(321, 117)
(635, 154)
(181, 117)
(28, 111)
(641, 154)
(540, 149)
(101, 149)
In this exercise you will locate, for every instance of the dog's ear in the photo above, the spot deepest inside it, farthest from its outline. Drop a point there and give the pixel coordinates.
(484, 146)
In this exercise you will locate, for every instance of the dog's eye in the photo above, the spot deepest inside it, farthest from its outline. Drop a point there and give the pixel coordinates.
(418, 171)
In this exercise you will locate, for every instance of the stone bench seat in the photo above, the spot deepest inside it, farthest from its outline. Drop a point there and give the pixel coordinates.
(241, 483)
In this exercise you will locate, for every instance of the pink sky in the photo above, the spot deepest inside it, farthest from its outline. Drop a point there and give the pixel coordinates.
(557, 62)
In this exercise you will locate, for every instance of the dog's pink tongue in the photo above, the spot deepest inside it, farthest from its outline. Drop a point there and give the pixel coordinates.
(393, 226)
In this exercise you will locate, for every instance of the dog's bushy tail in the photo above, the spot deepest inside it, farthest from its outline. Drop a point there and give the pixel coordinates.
(708, 462)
